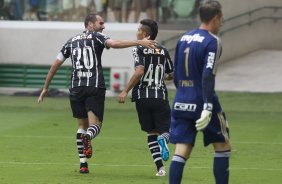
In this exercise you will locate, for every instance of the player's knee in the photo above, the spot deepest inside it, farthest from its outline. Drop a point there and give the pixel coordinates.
(221, 147)
(184, 150)
(93, 119)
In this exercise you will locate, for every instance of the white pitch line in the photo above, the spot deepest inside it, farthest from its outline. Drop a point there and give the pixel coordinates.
(135, 165)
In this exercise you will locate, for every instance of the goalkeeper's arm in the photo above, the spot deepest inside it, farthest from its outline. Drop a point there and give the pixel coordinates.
(208, 92)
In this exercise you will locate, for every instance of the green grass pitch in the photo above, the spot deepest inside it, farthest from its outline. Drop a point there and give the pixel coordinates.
(37, 144)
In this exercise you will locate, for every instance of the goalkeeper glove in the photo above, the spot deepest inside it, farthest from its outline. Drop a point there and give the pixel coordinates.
(205, 118)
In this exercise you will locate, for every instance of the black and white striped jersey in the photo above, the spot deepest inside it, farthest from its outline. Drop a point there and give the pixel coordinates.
(156, 63)
(85, 51)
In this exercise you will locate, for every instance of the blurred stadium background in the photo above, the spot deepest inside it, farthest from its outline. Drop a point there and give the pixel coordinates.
(252, 49)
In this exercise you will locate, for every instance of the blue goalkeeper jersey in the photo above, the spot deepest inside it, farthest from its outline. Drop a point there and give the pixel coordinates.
(196, 56)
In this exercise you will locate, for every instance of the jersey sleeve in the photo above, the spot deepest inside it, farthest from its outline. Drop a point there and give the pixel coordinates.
(138, 57)
(210, 66)
(102, 39)
(213, 53)
(169, 63)
(65, 51)
(175, 78)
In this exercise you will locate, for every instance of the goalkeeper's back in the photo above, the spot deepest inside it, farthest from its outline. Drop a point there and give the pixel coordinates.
(197, 53)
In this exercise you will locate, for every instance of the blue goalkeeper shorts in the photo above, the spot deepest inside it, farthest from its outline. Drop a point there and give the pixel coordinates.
(184, 130)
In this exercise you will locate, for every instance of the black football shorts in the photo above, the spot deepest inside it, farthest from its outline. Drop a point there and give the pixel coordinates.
(153, 114)
(84, 99)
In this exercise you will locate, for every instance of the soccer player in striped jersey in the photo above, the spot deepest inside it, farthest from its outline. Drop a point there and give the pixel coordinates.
(87, 90)
(196, 106)
(152, 67)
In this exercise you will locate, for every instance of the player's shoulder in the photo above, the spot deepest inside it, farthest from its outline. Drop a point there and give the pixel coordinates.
(213, 36)
(199, 34)
(99, 35)
(196, 35)
(162, 48)
(158, 50)
(207, 36)
(137, 48)
(213, 40)
(80, 36)
(75, 37)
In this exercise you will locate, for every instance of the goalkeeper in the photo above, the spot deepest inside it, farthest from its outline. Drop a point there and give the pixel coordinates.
(196, 106)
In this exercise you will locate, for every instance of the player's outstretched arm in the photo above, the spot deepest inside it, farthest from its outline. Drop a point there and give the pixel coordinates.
(49, 78)
(139, 71)
(130, 43)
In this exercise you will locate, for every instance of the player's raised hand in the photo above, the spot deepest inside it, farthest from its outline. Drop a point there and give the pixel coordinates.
(145, 42)
(43, 93)
(204, 120)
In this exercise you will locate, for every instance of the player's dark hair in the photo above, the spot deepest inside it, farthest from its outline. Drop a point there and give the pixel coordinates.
(151, 27)
(91, 17)
(209, 10)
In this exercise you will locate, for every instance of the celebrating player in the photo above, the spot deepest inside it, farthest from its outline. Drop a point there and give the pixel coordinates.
(149, 92)
(87, 90)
